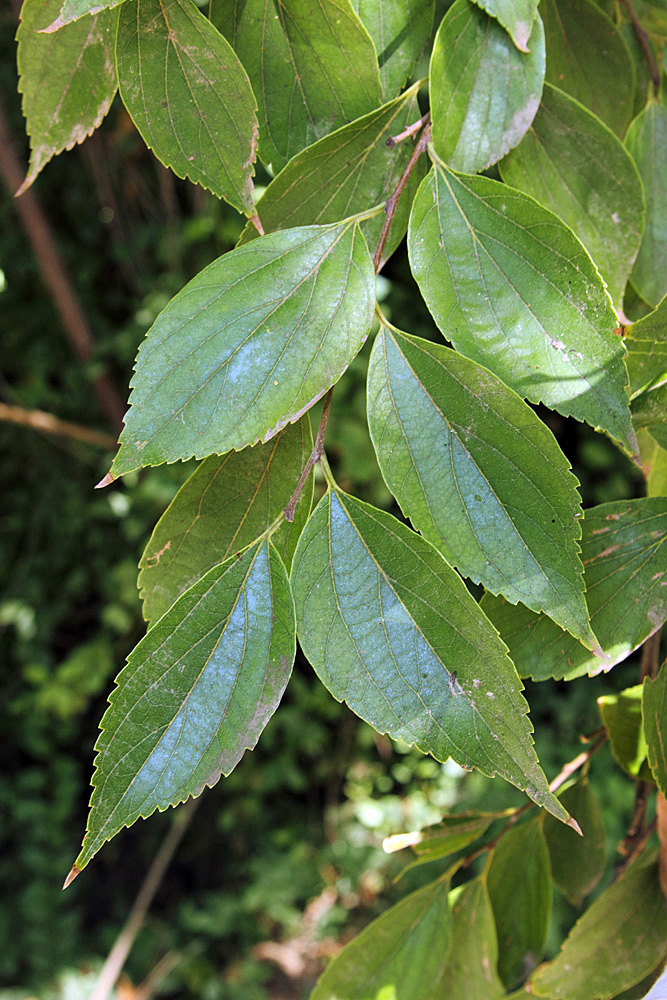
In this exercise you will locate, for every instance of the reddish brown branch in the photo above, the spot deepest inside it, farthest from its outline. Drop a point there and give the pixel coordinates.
(315, 456)
(643, 39)
(407, 132)
(392, 201)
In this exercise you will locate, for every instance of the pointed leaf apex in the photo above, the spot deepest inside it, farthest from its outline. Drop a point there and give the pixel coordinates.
(72, 875)
(571, 822)
(105, 481)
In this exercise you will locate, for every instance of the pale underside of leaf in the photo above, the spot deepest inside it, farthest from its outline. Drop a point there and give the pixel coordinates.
(516, 16)
(73, 10)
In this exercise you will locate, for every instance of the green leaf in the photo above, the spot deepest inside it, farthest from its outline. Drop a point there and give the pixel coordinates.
(401, 954)
(654, 462)
(313, 67)
(516, 16)
(577, 863)
(654, 716)
(588, 57)
(646, 341)
(512, 288)
(473, 956)
(400, 30)
(189, 96)
(647, 141)
(576, 167)
(196, 693)
(73, 10)
(345, 173)
(292, 307)
(622, 718)
(68, 79)
(616, 943)
(479, 474)
(224, 506)
(452, 834)
(624, 573)
(649, 411)
(484, 92)
(519, 881)
(392, 630)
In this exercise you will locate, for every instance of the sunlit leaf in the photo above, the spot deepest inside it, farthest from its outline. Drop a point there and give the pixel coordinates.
(442, 839)
(516, 16)
(72, 10)
(577, 863)
(647, 141)
(622, 718)
(654, 716)
(400, 30)
(646, 342)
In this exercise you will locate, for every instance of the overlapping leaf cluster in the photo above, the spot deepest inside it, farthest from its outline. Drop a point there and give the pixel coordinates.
(534, 215)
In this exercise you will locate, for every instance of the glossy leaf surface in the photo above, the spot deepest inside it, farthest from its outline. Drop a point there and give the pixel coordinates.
(654, 717)
(473, 956)
(391, 630)
(622, 718)
(516, 16)
(313, 68)
(67, 79)
(479, 475)
(646, 342)
(72, 10)
(576, 167)
(484, 92)
(189, 96)
(577, 863)
(195, 694)
(623, 550)
(400, 30)
(512, 288)
(223, 507)
(292, 307)
(647, 141)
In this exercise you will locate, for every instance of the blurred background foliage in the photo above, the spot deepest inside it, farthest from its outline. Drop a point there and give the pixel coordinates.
(283, 860)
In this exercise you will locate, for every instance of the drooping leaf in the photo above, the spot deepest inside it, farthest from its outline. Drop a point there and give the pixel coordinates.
(623, 550)
(512, 288)
(224, 506)
(345, 173)
(442, 839)
(392, 630)
(654, 717)
(292, 308)
(189, 96)
(196, 693)
(619, 940)
(646, 341)
(516, 16)
(479, 474)
(574, 165)
(587, 57)
(400, 30)
(68, 79)
(473, 955)
(577, 863)
(72, 10)
(313, 68)
(649, 412)
(647, 141)
(484, 92)
(518, 876)
(401, 954)
(622, 718)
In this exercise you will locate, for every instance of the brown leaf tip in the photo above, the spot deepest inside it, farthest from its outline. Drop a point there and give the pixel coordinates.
(105, 481)
(72, 875)
(571, 822)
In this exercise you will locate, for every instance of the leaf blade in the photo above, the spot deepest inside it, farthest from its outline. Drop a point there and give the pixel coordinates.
(654, 720)
(516, 17)
(647, 141)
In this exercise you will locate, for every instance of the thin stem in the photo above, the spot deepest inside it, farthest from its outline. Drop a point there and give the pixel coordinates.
(393, 140)
(392, 201)
(578, 762)
(650, 661)
(315, 456)
(41, 421)
(643, 40)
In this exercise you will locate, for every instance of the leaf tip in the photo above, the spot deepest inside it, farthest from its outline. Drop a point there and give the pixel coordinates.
(74, 871)
(54, 26)
(572, 823)
(105, 481)
(257, 224)
(29, 178)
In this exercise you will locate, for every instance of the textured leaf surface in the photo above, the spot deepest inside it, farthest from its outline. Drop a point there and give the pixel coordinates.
(577, 863)
(195, 694)
(452, 834)
(512, 288)
(401, 954)
(391, 629)
(646, 342)
(649, 411)
(647, 141)
(479, 474)
(619, 940)
(519, 881)
(654, 715)
(576, 167)
(72, 10)
(223, 507)
(345, 173)
(599, 74)
(400, 30)
(67, 79)
(484, 92)
(516, 16)
(622, 717)
(313, 68)
(189, 96)
(473, 956)
(292, 308)
(623, 550)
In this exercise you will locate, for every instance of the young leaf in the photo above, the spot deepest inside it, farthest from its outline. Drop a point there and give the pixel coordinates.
(654, 717)
(577, 863)
(401, 954)
(224, 506)
(484, 92)
(646, 342)
(313, 68)
(392, 630)
(452, 834)
(575, 166)
(479, 474)
(619, 940)
(647, 141)
(189, 96)
(400, 30)
(623, 550)
(293, 308)
(68, 79)
(516, 16)
(510, 285)
(622, 718)
(473, 955)
(196, 693)
(72, 10)
(588, 57)
(518, 876)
